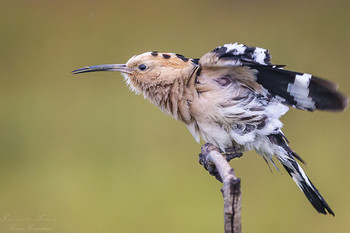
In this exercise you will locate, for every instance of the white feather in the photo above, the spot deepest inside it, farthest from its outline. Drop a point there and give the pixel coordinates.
(300, 91)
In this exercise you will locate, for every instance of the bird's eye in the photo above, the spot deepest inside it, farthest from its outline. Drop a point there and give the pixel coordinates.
(142, 67)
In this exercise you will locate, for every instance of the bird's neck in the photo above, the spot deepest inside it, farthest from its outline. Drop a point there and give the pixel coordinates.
(173, 98)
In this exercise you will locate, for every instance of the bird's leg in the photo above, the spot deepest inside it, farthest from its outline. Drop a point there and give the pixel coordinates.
(231, 153)
(210, 167)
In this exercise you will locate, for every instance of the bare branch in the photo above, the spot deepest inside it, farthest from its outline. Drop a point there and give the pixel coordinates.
(217, 165)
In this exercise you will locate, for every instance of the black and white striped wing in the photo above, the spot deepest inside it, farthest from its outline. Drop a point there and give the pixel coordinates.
(299, 90)
(236, 55)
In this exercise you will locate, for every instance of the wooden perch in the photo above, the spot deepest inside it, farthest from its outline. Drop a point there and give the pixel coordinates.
(217, 165)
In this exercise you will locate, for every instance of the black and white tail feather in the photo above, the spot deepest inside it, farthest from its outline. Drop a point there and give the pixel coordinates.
(299, 90)
(286, 158)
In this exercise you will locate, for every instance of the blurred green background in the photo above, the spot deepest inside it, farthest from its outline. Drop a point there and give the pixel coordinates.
(84, 154)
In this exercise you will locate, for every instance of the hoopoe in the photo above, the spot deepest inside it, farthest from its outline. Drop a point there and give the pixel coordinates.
(232, 97)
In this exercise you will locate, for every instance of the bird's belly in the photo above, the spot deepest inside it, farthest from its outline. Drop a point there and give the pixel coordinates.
(245, 130)
(215, 134)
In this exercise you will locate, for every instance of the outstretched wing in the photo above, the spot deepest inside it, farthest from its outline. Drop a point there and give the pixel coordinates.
(299, 90)
(236, 55)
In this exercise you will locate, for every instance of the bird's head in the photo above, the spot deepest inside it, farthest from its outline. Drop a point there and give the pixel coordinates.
(150, 69)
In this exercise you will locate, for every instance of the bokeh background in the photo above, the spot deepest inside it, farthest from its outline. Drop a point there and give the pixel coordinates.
(84, 154)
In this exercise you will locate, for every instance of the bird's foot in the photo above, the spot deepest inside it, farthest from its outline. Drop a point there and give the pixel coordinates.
(229, 154)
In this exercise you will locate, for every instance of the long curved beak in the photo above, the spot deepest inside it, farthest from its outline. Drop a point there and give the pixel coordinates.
(109, 67)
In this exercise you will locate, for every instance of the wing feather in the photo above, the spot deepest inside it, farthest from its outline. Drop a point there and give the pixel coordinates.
(236, 55)
(299, 90)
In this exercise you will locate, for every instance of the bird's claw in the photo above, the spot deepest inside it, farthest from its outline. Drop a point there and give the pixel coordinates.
(229, 154)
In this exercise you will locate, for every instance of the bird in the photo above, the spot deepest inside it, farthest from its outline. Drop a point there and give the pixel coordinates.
(233, 97)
